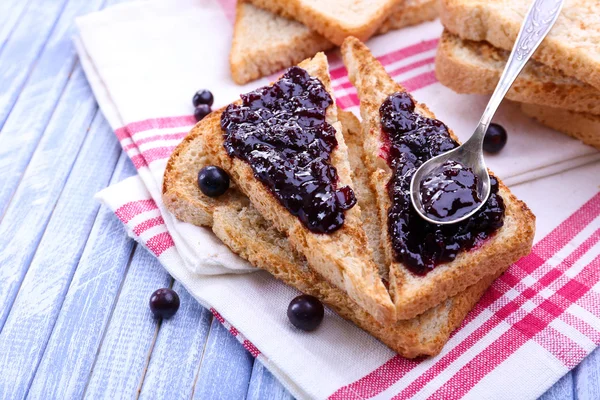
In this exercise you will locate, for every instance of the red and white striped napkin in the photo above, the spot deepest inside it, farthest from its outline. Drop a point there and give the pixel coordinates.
(144, 60)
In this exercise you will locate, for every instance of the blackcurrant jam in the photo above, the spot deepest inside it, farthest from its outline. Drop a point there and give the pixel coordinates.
(410, 139)
(281, 132)
(449, 192)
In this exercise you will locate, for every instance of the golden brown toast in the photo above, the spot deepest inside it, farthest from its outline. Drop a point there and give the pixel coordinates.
(334, 19)
(341, 257)
(411, 293)
(475, 67)
(241, 227)
(264, 42)
(571, 46)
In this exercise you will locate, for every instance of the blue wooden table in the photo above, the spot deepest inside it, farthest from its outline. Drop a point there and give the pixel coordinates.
(74, 290)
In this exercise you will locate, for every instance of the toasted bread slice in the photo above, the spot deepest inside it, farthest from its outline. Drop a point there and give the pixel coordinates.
(414, 294)
(336, 19)
(264, 42)
(571, 46)
(241, 227)
(582, 126)
(338, 256)
(475, 67)
(408, 13)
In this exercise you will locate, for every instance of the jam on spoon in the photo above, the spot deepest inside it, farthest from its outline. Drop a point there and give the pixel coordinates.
(450, 191)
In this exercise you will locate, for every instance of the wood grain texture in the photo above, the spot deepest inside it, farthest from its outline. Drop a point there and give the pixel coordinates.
(263, 385)
(561, 390)
(225, 369)
(587, 378)
(11, 12)
(22, 49)
(27, 216)
(40, 297)
(38, 98)
(69, 355)
(129, 337)
(178, 350)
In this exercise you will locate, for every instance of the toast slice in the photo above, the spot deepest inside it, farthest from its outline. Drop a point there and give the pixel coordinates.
(582, 126)
(265, 43)
(413, 294)
(241, 227)
(338, 256)
(571, 46)
(336, 19)
(475, 67)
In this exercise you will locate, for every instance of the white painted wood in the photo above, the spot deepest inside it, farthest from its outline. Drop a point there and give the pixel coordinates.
(23, 47)
(122, 358)
(263, 385)
(67, 361)
(561, 390)
(225, 369)
(41, 294)
(11, 12)
(587, 378)
(177, 351)
(37, 101)
(27, 216)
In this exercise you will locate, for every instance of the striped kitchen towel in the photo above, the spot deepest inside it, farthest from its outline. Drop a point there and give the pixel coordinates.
(144, 60)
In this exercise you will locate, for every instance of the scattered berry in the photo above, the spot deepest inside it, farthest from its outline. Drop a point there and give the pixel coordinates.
(201, 111)
(213, 181)
(306, 312)
(203, 97)
(164, 303)
(495, 138)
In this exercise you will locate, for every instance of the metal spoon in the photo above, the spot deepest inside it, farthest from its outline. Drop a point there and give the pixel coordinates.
(539, 20)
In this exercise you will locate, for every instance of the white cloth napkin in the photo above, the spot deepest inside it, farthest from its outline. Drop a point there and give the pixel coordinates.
(144, 60)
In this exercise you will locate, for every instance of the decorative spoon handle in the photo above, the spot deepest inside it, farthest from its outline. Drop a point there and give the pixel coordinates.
(539, 20)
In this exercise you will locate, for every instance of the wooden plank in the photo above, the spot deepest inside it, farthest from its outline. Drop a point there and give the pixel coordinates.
(67, 361)
(561, 390)
(122, 358)
(37, 101)
(177, 351)
(11, 12)
(587, 377)
(225, 369)
(263, 385)
(36, 307)
(27, 216)
(23, 48)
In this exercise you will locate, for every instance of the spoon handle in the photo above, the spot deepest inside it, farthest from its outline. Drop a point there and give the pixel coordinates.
(539, 19)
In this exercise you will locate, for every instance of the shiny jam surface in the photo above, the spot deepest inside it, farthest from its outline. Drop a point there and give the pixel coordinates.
(449, 192)
(281, 132)
(411, 139)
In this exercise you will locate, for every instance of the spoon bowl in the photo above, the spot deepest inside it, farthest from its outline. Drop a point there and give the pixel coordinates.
(469, 157)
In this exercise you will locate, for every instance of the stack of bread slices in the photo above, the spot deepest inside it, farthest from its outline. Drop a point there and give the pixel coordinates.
(560, 88)
(352, 270)
(270, 35)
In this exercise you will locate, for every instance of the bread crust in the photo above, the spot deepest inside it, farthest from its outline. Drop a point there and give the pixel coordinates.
(582, 126)
(475, 67)
(414, 294)
(293, 42)
(571, 46)
(313, 14)
(248, 61)
(241, 227)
